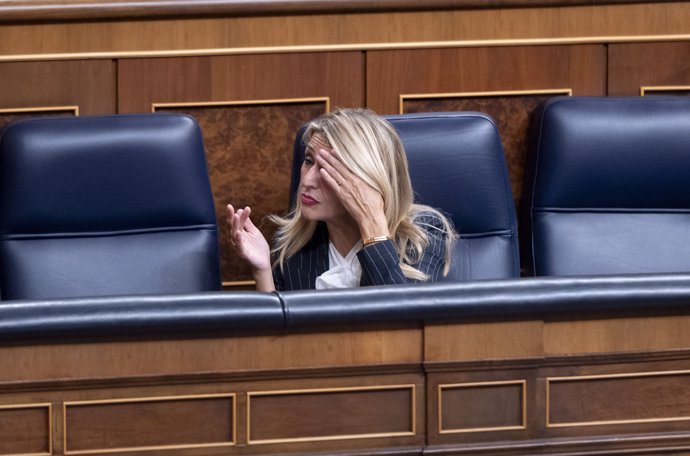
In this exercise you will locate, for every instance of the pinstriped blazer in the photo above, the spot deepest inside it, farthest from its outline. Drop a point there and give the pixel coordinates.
(380, 262)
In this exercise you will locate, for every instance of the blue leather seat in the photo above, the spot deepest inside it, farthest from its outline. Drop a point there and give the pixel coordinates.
(606, 187)
(112, 205)
(457, 164)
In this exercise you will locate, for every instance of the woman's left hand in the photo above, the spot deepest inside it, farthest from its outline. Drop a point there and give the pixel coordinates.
(363, 202)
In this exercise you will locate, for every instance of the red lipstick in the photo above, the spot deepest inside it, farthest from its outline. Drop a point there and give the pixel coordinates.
(308, 200)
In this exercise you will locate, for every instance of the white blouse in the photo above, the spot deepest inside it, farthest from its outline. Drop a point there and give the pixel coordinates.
(343, 272)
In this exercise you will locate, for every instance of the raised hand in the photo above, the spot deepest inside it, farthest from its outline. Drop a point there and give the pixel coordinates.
(250, 245)
(362, 201)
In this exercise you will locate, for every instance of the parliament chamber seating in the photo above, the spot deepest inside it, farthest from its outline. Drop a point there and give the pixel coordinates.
(587, 365)
(111, 205)
(457, 165)
(606, 187)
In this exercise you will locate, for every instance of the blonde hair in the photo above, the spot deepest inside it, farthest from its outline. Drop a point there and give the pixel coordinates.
(370, 147)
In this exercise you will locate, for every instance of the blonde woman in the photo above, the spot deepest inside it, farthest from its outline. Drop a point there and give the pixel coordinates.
(354, 223)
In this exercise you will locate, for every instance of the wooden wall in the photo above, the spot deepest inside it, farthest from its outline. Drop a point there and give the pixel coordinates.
(252, 78)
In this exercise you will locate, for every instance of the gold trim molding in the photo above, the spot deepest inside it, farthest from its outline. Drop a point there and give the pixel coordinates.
(344, 47)
(523, 399)
(645, 89)
(67, 404)
(74, 109)
(550, 380)
(498, 93)
(218, 104)
(47, 406)
(413, 413)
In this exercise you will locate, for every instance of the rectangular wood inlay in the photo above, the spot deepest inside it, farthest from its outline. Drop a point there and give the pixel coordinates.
(149, 423)
(645, 397)
(330, 414)
(25, 429)
(490, 406)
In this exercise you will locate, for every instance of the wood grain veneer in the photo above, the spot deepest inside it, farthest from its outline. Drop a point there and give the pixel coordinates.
(357, 31)
(636, 65)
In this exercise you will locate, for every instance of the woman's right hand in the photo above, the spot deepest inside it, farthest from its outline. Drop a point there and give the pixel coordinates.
(247, 240)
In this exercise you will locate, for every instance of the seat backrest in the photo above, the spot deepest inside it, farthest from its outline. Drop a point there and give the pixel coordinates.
(457, 165)
(606, 187)
(94, 206)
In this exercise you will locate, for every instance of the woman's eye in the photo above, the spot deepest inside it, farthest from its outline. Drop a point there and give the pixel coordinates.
(309, 160)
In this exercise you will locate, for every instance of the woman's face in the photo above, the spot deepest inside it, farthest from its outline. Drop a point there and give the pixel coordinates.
(319, 202)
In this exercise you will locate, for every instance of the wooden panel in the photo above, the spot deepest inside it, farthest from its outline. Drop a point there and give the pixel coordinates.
(331, 414)
(506, 79)
(87, 84)
(25, 429)
(249, 155)
(636, 65)
(489, 406)
(232, 354)
(149, 423)
(337, 75)
(480, 341)
(250, 109)
(619, 399)
(616, 335)
(218, 32)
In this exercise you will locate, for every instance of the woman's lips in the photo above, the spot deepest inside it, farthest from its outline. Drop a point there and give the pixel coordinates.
(308, 200)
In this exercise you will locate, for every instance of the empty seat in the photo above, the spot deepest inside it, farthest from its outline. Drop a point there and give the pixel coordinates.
(606, 187)
(457, 165)
(111, 205)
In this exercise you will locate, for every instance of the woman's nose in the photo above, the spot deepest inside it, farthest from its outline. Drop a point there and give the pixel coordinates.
(312, 176)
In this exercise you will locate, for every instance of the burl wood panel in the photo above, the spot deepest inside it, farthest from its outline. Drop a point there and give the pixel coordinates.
(512, 115)
(439, 72)
(249, 156)
(9, 116)
(88, 84)
(474, 407)
(25, 430)
(170, 422)
(665, 91)
(642, 397)
(636, 65)
(332, 415)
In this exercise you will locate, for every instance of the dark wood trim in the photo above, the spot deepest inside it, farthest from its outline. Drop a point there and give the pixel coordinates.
(44, 11)
(631, 444)
(557, 361)
(208, 378)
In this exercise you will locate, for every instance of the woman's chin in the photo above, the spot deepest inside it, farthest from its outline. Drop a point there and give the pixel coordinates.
(308, 214)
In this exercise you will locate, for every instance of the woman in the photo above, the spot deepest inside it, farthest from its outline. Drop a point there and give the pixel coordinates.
(355, 223)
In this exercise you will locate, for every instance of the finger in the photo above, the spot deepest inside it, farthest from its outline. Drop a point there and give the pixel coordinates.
(332, 161)
(337, 178)
(230, 213)
(244, 216)
(237, 235)
(331, 180)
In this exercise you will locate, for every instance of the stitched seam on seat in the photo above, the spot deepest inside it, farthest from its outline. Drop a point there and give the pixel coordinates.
(507, 233)
(21, 237)
(610, 210)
